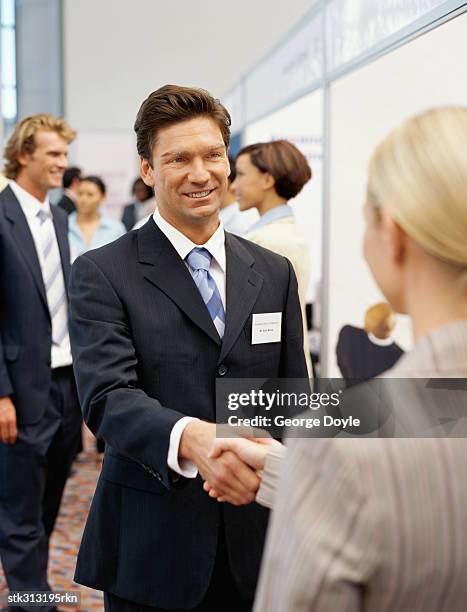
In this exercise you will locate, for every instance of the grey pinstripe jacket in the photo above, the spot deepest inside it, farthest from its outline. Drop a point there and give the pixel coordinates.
(377, 524)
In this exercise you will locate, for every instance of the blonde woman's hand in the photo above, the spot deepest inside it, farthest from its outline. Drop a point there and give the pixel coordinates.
(252, 451)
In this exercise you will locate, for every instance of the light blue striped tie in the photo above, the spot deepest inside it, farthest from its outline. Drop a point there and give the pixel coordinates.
(199, 260)
(53, 278)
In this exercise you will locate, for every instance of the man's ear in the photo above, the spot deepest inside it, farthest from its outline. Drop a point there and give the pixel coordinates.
(146, 171)
(395, 236)
(23, 158)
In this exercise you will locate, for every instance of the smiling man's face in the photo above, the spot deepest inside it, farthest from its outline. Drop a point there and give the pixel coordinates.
(43, 169)
(189, 173)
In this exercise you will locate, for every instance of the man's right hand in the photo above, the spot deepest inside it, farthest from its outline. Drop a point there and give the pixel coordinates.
(228, 474)
(8, 428)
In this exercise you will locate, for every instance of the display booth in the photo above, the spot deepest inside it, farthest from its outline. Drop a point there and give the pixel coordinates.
(348, 74)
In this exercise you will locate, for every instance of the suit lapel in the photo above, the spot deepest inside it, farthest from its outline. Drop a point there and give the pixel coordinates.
(243, 285)
(165, 269)
(61, 231)
(24, 241)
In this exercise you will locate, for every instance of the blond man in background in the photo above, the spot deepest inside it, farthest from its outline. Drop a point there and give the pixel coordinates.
(40, 419)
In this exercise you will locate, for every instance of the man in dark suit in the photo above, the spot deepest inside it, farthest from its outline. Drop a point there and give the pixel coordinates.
(40, 419)
(156, 318)
(137, 210)
(71, 180)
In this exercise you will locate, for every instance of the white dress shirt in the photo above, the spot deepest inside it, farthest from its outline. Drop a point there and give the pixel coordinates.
(60, 354)
(183, 245)
(381, 341)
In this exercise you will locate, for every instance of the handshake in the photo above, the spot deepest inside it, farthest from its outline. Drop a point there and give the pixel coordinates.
(230, 467)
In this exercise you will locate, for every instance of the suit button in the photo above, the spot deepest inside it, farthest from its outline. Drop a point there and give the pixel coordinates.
(222, 369)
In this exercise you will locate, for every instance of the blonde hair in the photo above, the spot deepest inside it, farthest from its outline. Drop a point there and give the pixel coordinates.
(22, 139)
(379, 319)
(419, 173)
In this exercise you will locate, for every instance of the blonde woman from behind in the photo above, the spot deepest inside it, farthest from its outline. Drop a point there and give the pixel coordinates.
(381, 524)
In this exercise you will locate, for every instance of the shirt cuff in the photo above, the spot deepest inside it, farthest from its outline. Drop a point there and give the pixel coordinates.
(270, 476)
(184, 467)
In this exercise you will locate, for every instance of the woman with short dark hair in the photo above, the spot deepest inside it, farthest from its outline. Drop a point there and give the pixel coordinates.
(269, 174)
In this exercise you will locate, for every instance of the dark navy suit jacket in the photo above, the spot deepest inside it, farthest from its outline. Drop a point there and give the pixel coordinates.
(25, 325)
(66, 204)
(129, 216)
(146, 353)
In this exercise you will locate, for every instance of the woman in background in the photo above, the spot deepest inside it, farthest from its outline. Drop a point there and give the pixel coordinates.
(234, 220)
(381, 524)
(270, 174)
(87, 227)
(365, 353)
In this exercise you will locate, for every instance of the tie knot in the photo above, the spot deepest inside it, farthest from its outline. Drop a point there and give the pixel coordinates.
(43, 215)
(199, 259)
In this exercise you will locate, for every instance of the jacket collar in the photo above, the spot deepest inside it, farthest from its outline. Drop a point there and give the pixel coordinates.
(25, 242)
(166, 270)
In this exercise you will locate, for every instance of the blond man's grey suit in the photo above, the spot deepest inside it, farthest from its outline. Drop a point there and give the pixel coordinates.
(378, 525)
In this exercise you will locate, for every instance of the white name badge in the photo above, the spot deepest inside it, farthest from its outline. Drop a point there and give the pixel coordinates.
(266, 327)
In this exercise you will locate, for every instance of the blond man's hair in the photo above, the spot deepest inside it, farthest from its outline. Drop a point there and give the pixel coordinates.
(380, 320)
(22, 139)
(419, 174)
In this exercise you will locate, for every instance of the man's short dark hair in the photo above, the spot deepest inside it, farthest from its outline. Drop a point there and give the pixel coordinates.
(172, 104)
(70, 175)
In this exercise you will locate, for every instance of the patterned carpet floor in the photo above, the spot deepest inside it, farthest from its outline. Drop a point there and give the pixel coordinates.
(69, 528)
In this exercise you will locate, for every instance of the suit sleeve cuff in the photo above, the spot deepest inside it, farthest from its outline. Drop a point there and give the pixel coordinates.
(180, 466)
(6, 387)
(5, 390)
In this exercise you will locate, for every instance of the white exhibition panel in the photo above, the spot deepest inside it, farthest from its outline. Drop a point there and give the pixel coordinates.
(333, 36)
(302, 124)
(113, 157)
(355, 26)
(287, 72)
(234, 104)
(364, 107)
